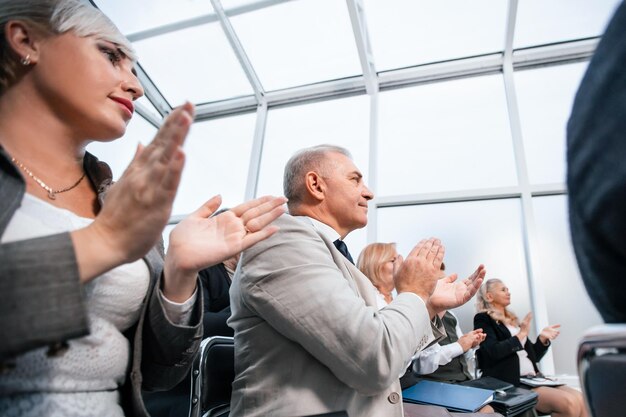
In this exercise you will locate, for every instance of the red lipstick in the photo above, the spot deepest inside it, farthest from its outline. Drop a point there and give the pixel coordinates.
(126, 103)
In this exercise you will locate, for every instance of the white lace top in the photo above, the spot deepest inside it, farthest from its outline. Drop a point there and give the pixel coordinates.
(84, 380)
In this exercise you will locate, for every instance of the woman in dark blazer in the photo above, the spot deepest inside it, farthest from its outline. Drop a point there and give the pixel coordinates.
(507, 353)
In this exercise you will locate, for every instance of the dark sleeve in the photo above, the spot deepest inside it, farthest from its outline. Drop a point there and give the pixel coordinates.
(215, 286)
(215, 323)
(596, 178)
(168, 348)
(492, 349)
(41, 298)
(539, 348)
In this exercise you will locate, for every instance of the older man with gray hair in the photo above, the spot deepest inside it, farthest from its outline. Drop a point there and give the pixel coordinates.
(309, 338)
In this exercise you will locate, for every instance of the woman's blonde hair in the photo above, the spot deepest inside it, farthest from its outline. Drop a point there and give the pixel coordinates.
(482, 305)
(53, 17)
(373, 257)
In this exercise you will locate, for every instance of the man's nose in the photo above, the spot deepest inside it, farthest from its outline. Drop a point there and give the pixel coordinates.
(367, 193)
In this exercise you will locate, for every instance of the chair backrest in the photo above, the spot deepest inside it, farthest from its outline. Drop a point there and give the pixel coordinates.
(211, 378)
(602, 369)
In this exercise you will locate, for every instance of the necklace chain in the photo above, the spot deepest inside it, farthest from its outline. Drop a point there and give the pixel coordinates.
(51, 193)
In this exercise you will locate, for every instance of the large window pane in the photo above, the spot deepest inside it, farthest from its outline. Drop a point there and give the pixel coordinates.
(218, 157)
(120, 152)
(541, 22)
(487, 232)
(408, 32)
(545, 98)
(566, 299)
(299, 42)
(195, 64)
(445, 136)
(137, 15)
(343, 122)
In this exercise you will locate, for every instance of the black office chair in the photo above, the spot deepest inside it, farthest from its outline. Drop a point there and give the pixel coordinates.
(602, 369)
(212, 376)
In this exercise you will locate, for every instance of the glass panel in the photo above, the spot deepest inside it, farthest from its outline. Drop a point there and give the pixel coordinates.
(218, 157)
(137, 15)
(343, 122)
(445, 136)
(299, 42)
(195, 64)
(408, 32)
(545, 98)
(567, 301)
(120, 152)
(540, 22)
(149, 106)
(487, 232)
(230, 4)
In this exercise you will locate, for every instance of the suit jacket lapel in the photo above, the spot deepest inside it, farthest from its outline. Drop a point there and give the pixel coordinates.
(361, 285)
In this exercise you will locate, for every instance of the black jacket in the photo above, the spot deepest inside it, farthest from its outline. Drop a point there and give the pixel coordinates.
(596, 177)
(215, 286)
(497, 356)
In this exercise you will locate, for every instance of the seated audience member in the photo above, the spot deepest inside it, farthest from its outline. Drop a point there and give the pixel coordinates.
(596, 173)
(447, 360)
(507, 353)
(444, 361)
(377, 262)
(309, 338)
(91, 311)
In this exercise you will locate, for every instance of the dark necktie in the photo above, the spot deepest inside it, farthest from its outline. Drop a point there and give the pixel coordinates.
(341, 247)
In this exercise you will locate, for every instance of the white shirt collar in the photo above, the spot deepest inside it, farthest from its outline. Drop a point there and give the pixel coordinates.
(328, 232)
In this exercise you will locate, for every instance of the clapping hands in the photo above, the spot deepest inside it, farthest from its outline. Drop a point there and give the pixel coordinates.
(472, 339)
(200, 240)
(418, 273)
(549, 333)
(139, 205)
(450, 293)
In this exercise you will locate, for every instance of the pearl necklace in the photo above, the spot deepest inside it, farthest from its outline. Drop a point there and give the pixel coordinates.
(51, 193)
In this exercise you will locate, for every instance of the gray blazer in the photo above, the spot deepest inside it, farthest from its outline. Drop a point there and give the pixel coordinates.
(39, 280)
(308, 336)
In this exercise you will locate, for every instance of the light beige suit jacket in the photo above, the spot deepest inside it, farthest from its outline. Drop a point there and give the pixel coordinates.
(309, 338)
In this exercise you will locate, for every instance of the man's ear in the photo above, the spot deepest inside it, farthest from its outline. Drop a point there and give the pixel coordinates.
(315, 185)
(23, 39)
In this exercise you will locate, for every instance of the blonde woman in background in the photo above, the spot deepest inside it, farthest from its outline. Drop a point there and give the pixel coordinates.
(507, 353)
(378, 261)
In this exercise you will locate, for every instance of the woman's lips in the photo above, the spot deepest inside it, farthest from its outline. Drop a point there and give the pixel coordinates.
(127, 104)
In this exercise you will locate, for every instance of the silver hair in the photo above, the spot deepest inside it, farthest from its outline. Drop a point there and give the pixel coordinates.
(303, 161)
(55, 17)
(484, 306)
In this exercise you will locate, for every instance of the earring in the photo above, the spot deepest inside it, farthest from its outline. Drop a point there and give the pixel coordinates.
(26, 60)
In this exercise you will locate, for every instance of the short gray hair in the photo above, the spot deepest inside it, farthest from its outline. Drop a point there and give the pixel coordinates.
(303, 161)
(54, 17)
